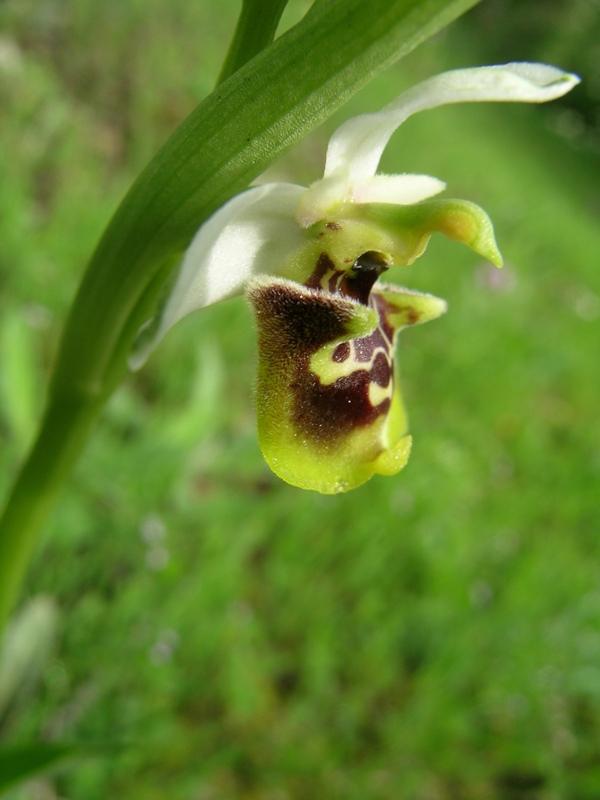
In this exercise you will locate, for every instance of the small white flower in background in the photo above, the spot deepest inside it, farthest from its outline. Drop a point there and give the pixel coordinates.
(330, 412)
(162, 650)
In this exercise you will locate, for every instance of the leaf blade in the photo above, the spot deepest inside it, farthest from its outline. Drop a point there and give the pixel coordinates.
(21, 762)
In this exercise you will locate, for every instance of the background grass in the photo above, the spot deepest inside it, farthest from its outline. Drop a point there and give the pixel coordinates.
(433, 636)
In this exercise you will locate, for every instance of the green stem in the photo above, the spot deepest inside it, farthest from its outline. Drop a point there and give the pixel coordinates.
(255, 30)
(67, 424)
(64, 431)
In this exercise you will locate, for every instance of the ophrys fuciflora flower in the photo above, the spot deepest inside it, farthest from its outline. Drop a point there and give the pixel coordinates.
(330, 411)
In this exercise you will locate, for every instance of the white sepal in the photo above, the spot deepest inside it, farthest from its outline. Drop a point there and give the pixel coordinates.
(401, 190)
(254, 233)
(356, 147)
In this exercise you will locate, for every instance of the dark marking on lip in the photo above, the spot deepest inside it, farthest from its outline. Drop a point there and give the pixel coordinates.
(381, 371)
(366, 346)
(341, 353)
(295, 323)
(333, 226)
(326, 413)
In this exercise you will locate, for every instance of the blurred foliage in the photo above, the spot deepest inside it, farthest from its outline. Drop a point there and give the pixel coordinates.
(432, 636)
(565, 32)
(20, 763)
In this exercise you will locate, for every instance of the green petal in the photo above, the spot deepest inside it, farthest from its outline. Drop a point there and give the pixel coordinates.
(408, 307)
(411, 227)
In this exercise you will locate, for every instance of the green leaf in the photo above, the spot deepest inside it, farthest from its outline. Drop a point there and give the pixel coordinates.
(18, 389)
(21, 762)
(255, 30)
(25, 649)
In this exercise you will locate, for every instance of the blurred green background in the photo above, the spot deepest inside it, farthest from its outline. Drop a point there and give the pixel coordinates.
(432, 636)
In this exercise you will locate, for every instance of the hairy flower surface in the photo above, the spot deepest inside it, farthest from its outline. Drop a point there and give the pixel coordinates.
(330, 411)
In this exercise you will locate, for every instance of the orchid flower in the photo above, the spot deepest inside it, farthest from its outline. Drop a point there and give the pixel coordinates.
(330, 411)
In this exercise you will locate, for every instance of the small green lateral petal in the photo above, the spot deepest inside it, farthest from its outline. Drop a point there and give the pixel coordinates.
(398, 308)
(411, 227)
(407, 307)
